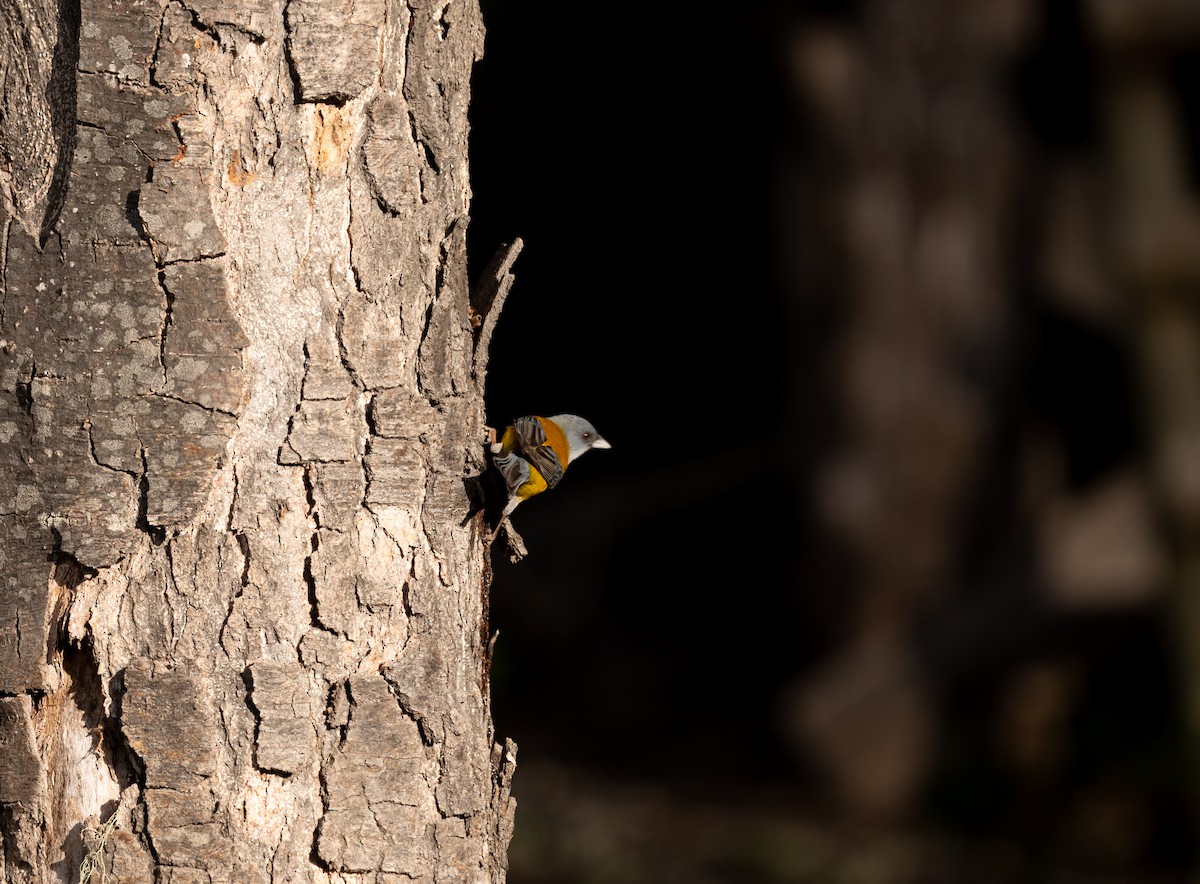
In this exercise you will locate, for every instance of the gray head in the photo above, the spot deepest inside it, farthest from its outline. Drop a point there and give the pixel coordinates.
(580, 434)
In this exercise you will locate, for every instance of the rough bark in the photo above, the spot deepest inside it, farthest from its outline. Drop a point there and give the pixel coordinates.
(242, 587)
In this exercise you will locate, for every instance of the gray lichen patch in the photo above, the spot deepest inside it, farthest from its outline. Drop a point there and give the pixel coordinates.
(113, 396)
(183, 443)
(93, 511)
(108, 45)
(83, 307)
(130, 117)
(134, 376)
(25, 546)
(203, 342)
(175, 210)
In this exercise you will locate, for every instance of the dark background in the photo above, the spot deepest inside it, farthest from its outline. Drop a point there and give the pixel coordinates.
(673, 173)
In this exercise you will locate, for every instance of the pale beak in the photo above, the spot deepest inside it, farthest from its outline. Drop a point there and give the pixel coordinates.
(601, 442)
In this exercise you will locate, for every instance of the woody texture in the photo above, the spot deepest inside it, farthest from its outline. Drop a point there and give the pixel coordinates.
(243, 626)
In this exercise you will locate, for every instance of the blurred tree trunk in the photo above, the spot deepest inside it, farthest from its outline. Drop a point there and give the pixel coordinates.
(242, 605)
(1155, 234)
(900, 189)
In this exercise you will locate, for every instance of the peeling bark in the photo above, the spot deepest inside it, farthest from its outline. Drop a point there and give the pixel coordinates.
(242, 585)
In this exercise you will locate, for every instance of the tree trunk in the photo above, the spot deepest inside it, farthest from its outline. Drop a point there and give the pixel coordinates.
(242, 588)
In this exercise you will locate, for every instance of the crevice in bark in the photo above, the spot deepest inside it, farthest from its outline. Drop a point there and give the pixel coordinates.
(152, 68)
(343, 351)
(310, 580)
(487, 297)
(443, 261)
(51, 522)
(214, 29)
(95, 457)
(133, 216)
(62, 252)
(314, 855)
(168, 308)
(170, 583)
(426, 325)
(289, 60)
(339, 696)
(310, 500)
(414, 129)
(287, 446)
(430, 161)
(87, 692)
(248, 685)
(428, 735)
(310, 584)
(211, 409)
(366, 495)
(191, 260)
(17, 627)
(125, 763)
(303, 379)
(66, 576)
(369, 416)
(24, 388)
(156, 533)
(488, 643)
(4, 268)
(233, 499)
(244, 545)
(60, 90)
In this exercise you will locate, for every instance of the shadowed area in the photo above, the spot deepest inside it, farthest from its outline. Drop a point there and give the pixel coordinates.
(888, 312)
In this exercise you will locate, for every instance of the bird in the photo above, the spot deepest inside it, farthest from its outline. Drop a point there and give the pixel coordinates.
(533, 453)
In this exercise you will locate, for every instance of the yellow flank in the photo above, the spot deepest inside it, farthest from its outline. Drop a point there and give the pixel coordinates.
(535, 485)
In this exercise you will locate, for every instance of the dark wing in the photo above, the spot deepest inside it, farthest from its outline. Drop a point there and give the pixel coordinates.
(529, 432)
(531, 440)
(514, 469)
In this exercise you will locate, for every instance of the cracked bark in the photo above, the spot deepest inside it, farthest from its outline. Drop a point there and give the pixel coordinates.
(242, 591)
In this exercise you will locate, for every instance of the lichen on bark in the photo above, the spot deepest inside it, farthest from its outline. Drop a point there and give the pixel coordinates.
(237, 398)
